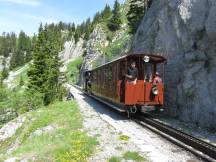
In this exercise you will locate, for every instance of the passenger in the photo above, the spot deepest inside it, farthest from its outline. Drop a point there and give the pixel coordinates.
(132, 73)
(148, 72)
(157, 79)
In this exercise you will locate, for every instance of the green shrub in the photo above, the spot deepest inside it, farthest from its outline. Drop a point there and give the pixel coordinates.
(73, 70)
(133, 156)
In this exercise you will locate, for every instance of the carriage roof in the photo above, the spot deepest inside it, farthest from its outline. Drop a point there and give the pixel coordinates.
(156, 58)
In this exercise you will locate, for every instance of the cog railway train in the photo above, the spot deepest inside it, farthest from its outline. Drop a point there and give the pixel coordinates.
(112, 85)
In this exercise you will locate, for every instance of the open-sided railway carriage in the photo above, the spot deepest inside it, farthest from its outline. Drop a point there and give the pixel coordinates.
(108, 83)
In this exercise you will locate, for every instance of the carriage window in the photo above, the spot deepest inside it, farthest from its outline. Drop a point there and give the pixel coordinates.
(122, 71)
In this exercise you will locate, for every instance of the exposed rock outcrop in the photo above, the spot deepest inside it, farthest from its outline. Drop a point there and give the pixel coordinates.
(184, 31)
(98, 38)
(7, 62)
(71, 50)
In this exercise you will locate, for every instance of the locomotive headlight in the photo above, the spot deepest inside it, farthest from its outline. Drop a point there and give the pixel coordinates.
(155, 91)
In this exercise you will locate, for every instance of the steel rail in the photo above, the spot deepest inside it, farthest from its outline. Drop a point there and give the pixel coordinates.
(200, 148)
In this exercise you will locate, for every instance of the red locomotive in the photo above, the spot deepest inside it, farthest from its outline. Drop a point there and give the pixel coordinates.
(131, 83)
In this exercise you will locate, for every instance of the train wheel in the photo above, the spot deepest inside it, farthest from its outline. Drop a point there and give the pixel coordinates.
(139, 111)
(128, 114)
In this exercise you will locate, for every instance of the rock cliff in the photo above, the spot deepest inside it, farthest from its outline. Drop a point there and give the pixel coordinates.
(98, 38)
(184, 31)
(71, 50)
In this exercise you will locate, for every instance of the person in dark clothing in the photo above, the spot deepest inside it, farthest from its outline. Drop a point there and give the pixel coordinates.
(132, 73)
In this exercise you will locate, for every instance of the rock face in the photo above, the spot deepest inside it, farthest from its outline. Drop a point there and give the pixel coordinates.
(71, 50)
(184, 31)
(98, 38)
(7, 61)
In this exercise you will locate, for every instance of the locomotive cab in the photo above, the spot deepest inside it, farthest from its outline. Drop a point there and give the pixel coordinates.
(145, 93)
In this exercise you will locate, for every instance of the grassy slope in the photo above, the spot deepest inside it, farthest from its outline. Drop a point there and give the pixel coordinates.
(73, 70)
(67, 141)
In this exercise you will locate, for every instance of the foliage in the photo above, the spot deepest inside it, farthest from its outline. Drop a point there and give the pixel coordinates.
(73, 70)
(115, 21)
(123, 137)
(133, 156)
(7, 44)
(44, 72)
(136, 12)
(22, 52)
(115, 159)
(21, 82)
(65, 143)
(106, 13)
(4, 74)
(20, 101)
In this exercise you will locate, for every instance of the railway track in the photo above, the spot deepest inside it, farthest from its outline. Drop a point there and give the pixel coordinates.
(199, 148)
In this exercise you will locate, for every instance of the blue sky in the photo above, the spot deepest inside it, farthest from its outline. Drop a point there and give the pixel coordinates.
(26, 15)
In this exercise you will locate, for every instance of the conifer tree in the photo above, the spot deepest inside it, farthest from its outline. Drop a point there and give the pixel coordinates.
(136, 12)
(88, 29)
(106, 13)
(44, 72)
(37, 70)
(97, 18)
(115, 21)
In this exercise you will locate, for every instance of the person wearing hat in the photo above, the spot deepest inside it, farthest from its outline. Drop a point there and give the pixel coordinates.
(157, 79)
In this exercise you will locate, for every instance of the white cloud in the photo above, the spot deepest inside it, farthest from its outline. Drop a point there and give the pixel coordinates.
(23, 2)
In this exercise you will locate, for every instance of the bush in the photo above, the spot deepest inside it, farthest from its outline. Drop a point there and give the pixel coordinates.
(3, 94)
(20, 101)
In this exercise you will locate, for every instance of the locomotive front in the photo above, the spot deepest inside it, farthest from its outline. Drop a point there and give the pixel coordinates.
(146, 92)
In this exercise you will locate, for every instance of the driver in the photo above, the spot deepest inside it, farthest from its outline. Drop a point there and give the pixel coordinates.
(132, 73)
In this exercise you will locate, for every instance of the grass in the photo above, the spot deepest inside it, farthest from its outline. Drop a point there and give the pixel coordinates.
(133, 156)
(124, 138)
(22, 75)
(64, 143)
(115, 159)
(73, 70)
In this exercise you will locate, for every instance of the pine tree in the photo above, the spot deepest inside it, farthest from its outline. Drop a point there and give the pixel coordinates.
(115, 21)
(23, 52)
(44, 72)
(36, 72)
(77, 34)
(97, 18)
(88, 29)
(106, 13)
(136, 12)
(52, 85)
